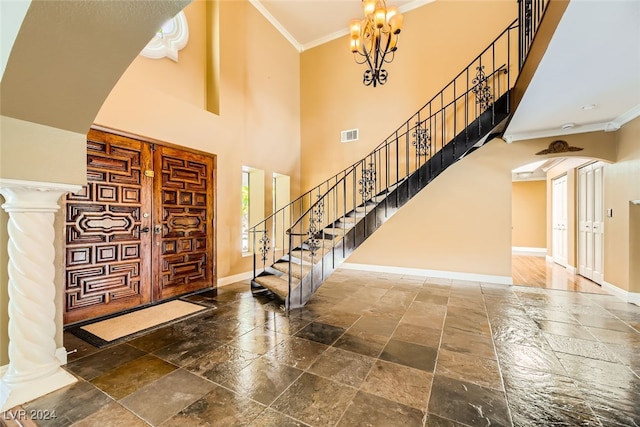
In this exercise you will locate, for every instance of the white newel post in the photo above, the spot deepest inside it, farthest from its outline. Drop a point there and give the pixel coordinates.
(34, 370)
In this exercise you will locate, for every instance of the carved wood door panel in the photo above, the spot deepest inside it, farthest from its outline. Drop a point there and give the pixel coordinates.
(107, 262)
(142, 228)
(183, 231)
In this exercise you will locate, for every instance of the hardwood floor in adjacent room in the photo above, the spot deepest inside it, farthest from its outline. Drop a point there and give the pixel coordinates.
(537, 271)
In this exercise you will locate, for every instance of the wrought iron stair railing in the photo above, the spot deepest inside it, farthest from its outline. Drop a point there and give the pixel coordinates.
(298, 246)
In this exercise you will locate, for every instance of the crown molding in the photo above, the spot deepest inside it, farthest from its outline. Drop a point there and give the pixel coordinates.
(278, 26)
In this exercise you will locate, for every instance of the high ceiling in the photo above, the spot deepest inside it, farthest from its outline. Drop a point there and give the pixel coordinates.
(589, 78)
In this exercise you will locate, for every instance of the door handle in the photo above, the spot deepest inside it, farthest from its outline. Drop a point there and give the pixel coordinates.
(144, 230)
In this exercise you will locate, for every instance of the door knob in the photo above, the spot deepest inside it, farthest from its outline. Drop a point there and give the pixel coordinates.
(145, 230)
(157, 228)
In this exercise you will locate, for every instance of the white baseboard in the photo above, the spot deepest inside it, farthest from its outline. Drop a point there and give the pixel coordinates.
(471, 277)
(626, 296)
(548, 258)
(61, 355)
(571, 269)
(224, 281)
(524, 250)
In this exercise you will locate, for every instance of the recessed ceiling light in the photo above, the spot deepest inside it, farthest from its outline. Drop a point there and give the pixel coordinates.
(568, 126)
(589, 106)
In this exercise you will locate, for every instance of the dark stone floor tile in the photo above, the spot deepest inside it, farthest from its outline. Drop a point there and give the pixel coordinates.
(604, 323)
(615, 337)
(111, 415)
(518, 332)
(418, 335)
(272, 418)
(433, 420)
(529, 357)
(565, 329)
(587, 370)
(259, 340)
(362, 343)
(470, 323)
(320, 332)
(162, 399)
(468, 403)
(262, 380)
(367, 408)
(423, 314)
(219, 407)
(614, 404)
(473, 344)
(342, 366)
(76, 347)
(157, 339)
(579, 347)
(340, 319)
(104, 361)
(221, 363)
(401, 384)
(478, 370)
(186, 351)
(409, 354)
(545, 398)
(374, 325)
(315, 400)
(296, 352)
(69, 404)
(287, 325)
(537, 313)
(127, 378)
(429, 297)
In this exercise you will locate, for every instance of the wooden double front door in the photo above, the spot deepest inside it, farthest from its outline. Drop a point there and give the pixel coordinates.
(142, 229)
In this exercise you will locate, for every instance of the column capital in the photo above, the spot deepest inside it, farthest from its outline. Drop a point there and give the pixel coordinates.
(33, 196)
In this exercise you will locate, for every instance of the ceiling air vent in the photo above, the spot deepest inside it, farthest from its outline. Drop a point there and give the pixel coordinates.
(349, 135)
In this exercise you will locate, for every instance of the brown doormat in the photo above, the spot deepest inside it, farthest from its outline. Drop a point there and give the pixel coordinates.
(120, 327)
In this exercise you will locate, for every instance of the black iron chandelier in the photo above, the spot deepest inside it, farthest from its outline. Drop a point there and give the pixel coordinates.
(374, 40)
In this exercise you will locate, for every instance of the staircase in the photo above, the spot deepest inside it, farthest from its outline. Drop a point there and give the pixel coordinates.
(299, 246)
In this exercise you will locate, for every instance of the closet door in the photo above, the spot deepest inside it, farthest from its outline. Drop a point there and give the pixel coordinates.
(591, 222)
(107, 230)
(183, 243)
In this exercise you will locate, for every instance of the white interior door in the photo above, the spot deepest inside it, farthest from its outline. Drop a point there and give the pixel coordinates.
(559, 220)
(591, 222)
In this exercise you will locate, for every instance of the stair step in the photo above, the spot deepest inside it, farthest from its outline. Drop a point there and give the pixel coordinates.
(298, 271)
(306, 255)
(275, 284)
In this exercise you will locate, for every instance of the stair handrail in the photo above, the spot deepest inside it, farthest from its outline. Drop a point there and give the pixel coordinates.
(332, 183)
(343, 172)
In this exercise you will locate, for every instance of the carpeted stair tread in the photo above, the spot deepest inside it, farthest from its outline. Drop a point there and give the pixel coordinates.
(298, 271)
(275, 284)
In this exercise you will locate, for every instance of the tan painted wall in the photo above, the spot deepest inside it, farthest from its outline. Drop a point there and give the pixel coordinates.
(438, 41)
(622, 184)
(259, 121)
(529, 214)
(461, 222)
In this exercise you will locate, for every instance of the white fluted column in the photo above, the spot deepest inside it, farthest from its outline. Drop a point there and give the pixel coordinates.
(34, 370)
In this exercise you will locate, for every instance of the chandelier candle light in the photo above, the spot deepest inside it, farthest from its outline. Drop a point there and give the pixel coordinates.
(374, 39)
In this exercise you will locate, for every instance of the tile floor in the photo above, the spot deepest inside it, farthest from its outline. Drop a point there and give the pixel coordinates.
(370, 350)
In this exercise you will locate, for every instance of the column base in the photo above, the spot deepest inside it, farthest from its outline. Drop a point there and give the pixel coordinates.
(16, 394)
